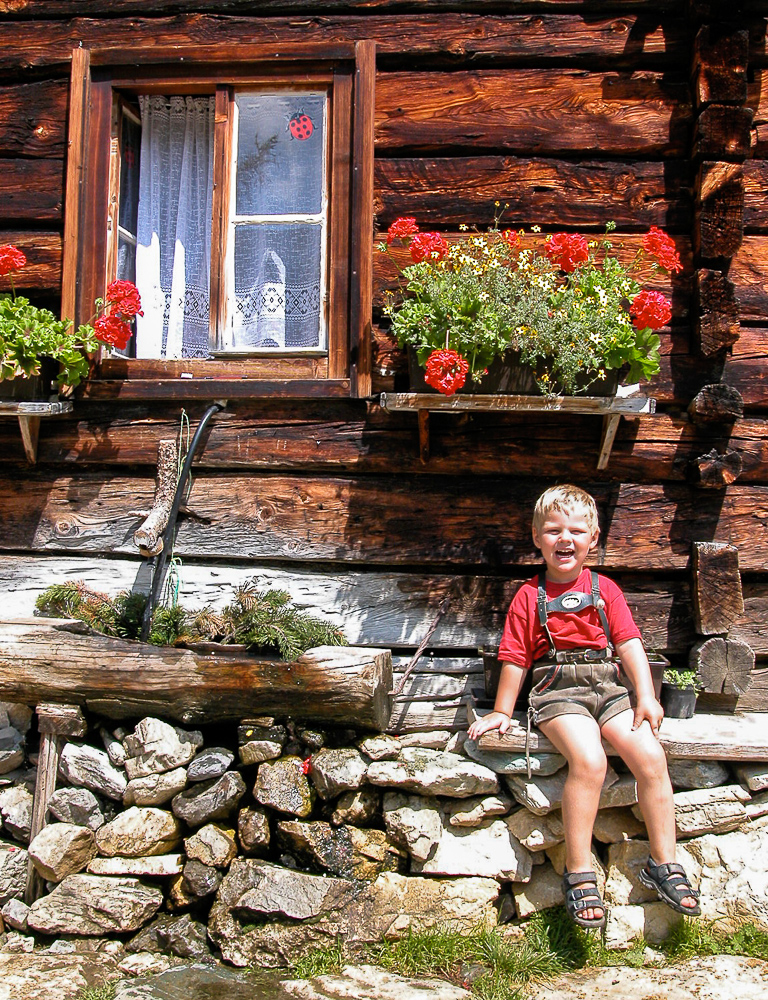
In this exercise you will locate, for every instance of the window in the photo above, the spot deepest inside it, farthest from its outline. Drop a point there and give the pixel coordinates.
(239, 199)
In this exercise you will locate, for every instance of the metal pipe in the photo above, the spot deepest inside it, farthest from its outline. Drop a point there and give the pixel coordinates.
(158, 577)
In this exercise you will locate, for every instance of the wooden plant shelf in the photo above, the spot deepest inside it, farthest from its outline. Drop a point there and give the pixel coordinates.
(29, 415)
(610, 408)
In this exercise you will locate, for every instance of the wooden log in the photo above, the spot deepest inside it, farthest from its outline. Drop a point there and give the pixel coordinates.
(41, 130)
(749, 274)
(148, 537)
(755, 193)
(724, 666)
(723, 131)
(628, 40)
(449, 191)
(706, 737)
(719, 227)
(717, 314)
(32, 190)
(554, 111)
(716, 404)
(42, 272)
(721, 55)
(45, 659)
(45, 785)
(716, 470)
(718, 601)
(756, 698)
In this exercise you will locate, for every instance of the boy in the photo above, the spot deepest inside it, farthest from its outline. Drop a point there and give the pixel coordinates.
(565, 625)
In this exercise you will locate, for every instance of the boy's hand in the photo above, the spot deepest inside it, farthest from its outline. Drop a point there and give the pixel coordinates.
(496, 720)
(651, 710)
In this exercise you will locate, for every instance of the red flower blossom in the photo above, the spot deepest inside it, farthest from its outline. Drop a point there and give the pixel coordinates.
(428, 246)
(124, 298)
(306, 765)
(650, 309)
(511, 237)
(567, 250)
(660, 246)
(11, 259)
(112, 330)
(402, 227)
(446, 371)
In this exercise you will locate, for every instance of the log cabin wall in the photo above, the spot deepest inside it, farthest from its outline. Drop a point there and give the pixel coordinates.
(571, 114)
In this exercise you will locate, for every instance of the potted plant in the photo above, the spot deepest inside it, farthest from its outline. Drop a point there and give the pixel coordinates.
(37, 348)
(568, 310)
(679, 691)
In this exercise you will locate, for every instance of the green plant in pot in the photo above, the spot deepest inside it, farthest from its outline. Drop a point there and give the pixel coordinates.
(33, 339)
(679, 691)
(570, 310)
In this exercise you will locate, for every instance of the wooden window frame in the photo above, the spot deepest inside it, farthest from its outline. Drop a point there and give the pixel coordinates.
(90, 214)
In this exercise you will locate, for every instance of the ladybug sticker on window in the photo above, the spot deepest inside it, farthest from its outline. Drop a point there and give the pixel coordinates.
(301, 126)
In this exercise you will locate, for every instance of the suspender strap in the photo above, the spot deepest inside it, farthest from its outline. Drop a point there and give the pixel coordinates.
(570, 602)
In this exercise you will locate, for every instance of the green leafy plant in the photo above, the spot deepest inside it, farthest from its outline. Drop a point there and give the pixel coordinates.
(258, 619)
(682, 679)
(29, 333)
(571, 308)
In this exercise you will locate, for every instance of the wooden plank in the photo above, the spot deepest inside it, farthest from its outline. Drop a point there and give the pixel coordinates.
(375, 608)
(339, 233)
(40, 131)
(47, 659)
(32, 190)
(749, 274)
(704, 737)
(80, 85)
(629, 39)
(554, 111)
(212, 389)
(755, 194)
(374, 520)
(42, 272)
(448, 191)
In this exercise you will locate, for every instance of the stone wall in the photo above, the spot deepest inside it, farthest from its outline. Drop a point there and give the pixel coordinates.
(261, 840)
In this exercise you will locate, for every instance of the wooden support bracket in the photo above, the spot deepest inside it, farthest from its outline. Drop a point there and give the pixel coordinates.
(29, 415)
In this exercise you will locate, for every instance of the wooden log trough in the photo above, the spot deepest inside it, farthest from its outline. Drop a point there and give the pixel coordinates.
(65, 662)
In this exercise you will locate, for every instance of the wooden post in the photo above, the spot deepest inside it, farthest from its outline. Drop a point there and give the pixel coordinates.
(55, 723)
(718, 601)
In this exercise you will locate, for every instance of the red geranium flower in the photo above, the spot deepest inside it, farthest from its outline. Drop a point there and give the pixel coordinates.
(112, 330)
(402, 227)
(11, 259)
(567, 250)
(446, 371)
(428, 246)
(511, 237)
(650, 309)
(660, 246)
(124, 298)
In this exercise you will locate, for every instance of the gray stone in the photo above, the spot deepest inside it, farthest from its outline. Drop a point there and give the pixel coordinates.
(753, 776)
(210, 764)
(757, 805)
(697, 773)
(543, 794)
(379, 747)
(256, 751)
(414, 822)
(16, 809)
(184, 937)
(114, 747)
(76, 805)
(614, 825)
(714, 810)
(473, 812)
(488, 850)
(210, 800)
(366, 982)
(626, 924)
(623, 886)
(13, 872)
(212, 845)
(194, 981)
(349, 853)
(156, 866)
(283, 785)
(94, 905)
(335, 771)
(253, 830)
(201, 880)
(437, 739)
(514, 762)
(39, 976)
(10, 738)
(430, 772)
(544, 889)
(87, 767)
(357, 808)
(265, 915)
(15, 913)
(139, 831)
(536, 833)
(155, 747)
(155, 789)
(11, 759)
(61, 849)
(19, 716)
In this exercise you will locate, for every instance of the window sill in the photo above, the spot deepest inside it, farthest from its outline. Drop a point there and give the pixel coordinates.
(213, 388)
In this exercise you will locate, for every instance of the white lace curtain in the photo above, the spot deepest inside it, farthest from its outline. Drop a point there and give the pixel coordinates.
(174, 226)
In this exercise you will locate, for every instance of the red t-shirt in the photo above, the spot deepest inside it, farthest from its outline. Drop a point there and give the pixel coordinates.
(524, 640)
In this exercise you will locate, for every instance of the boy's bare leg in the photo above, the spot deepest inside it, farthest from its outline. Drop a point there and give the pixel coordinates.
(577, 737)
(643, 754)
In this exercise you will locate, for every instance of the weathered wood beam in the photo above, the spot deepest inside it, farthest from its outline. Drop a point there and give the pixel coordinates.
(718, 601)
(719, 227)
(50, 660)
(716, 327)
(724, 666)
(32, 190)
(721, 55)
(715, 469)
(716, 404)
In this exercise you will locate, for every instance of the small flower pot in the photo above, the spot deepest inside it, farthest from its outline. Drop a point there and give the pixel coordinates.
(33, 388)
(678, 703)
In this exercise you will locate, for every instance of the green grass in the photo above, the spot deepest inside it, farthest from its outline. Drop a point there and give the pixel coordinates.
(320, 961)
(698, 937)
(105, 992)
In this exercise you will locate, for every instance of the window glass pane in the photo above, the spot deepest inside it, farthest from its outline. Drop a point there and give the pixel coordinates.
(280, 153)
(277, 287)
(130, 152)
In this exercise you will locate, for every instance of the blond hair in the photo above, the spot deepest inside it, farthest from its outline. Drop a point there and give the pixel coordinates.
(568, 499)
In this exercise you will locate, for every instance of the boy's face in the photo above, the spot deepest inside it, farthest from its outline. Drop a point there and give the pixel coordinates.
(565, 539)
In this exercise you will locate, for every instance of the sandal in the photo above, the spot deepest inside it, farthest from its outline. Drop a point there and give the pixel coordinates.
(577, 899)
(671, 885)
